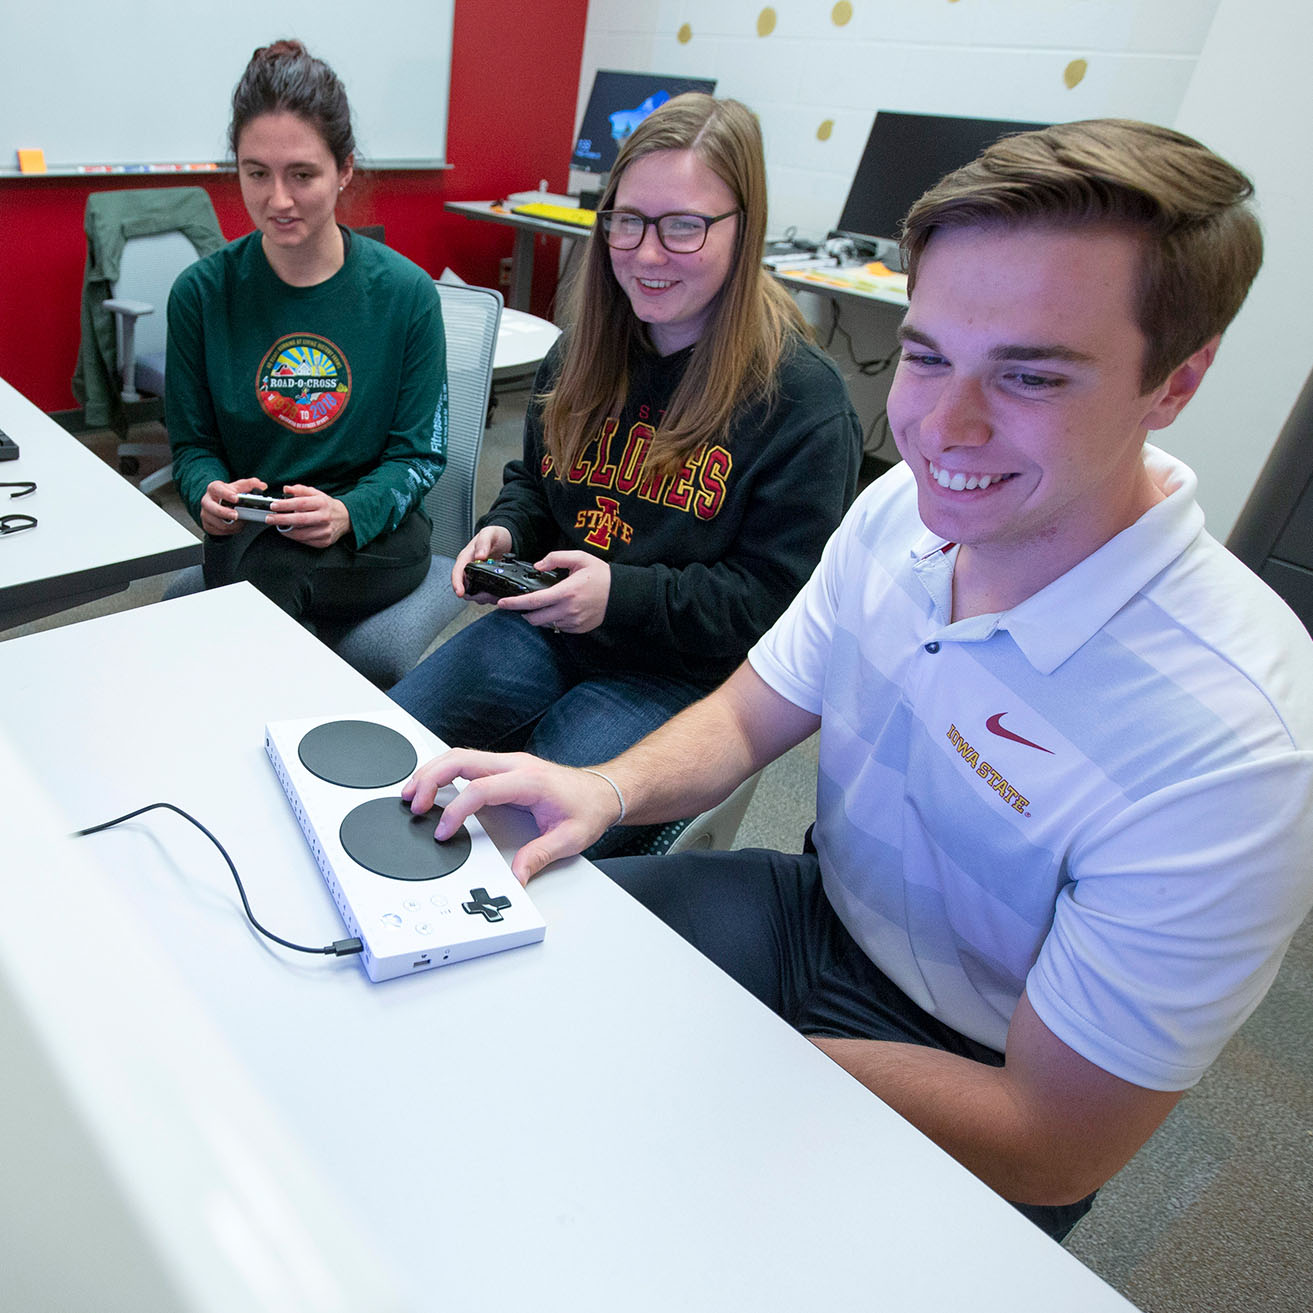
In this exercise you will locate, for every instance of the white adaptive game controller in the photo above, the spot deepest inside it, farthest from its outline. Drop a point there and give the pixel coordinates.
(413, 902)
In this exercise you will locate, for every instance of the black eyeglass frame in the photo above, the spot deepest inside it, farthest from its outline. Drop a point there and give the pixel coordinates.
(604, 218)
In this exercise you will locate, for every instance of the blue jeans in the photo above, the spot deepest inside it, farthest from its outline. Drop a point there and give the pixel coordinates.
(763, 918)
(501, 685)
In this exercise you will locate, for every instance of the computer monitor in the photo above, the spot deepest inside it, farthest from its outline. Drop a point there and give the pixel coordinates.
(617, 104)
(905, 155)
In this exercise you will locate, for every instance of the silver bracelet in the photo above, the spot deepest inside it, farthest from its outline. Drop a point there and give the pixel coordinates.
(588, 770)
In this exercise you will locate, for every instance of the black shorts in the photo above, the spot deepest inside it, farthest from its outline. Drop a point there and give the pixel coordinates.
(764, 919)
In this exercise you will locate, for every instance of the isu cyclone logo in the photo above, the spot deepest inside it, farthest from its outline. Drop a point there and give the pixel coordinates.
(303, 383)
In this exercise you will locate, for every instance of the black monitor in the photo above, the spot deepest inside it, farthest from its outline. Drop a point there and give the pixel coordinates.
(905, 155)
(618, 103)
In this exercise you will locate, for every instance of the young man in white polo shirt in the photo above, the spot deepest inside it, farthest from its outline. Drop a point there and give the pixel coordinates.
(1066, 741)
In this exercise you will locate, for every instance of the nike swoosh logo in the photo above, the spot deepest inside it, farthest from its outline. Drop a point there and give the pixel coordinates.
(995, 726)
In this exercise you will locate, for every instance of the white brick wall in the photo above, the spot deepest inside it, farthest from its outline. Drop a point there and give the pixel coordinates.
(986, 58)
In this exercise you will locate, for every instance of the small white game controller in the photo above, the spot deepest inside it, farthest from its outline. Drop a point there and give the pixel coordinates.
(255, 506)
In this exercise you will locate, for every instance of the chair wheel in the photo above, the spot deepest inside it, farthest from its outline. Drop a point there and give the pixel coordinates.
(129, 465)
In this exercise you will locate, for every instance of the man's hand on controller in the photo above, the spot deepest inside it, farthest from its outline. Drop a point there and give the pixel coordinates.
(570, 807)
(576, 604)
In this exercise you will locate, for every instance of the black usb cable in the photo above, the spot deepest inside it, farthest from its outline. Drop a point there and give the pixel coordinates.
(340, 948)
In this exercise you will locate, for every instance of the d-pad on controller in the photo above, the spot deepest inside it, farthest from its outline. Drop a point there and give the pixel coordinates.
(491, 908)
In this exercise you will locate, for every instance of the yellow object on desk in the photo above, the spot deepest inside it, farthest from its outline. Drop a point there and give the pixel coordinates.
(581, 218)
(874, 279)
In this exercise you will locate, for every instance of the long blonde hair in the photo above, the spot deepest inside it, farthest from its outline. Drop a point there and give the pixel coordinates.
(734, 361)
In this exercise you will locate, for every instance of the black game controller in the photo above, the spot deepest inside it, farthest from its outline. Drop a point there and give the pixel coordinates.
(509, 577)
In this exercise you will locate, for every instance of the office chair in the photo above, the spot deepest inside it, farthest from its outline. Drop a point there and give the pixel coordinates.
(1273, 535)
(137, 244)
(388, 644)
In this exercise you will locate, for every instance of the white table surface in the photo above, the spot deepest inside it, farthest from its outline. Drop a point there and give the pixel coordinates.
(599, 1121)
(522, 341)
(95, 532)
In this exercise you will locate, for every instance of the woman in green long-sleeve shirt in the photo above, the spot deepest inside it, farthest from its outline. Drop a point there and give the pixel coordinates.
(306, 362)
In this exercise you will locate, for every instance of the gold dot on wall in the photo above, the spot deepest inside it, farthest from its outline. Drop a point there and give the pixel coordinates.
(1074, 72)
(841, 13)
(766, 22)
(684, 35)
(823, 132)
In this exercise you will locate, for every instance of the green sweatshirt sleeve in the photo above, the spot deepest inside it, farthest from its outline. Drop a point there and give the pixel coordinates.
(197, 449)
(415, 453)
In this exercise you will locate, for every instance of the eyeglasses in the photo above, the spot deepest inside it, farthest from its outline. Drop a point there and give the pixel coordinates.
(680, 234)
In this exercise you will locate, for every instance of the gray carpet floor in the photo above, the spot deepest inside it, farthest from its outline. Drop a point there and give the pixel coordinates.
(1215, 1214)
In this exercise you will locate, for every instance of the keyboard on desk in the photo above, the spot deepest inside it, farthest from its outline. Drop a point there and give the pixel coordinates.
(571, 214)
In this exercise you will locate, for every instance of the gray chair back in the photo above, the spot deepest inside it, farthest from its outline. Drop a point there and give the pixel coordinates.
(147, 270)
(470, 319)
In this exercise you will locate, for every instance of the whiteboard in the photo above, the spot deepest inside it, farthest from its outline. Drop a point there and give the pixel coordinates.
(151, 81)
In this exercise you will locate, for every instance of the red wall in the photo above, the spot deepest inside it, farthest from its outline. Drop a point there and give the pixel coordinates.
(514, 84)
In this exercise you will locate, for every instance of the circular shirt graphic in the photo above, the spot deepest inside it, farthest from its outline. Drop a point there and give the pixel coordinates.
(303, 382)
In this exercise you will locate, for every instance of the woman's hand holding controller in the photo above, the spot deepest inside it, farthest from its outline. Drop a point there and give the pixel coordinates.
(494, 541)
(219, 505)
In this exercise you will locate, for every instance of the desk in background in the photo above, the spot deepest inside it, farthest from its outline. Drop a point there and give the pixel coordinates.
(839, 283)
(527, 227)
(95, 532)
(853, 283)
(601, 1121)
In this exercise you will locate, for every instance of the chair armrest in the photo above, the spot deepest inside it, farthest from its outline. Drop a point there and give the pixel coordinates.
(131, 309)
(129, 312)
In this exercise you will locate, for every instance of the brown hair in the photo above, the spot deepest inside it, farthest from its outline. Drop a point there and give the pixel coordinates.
(1201, 244)
(285, 78)
(735, 360)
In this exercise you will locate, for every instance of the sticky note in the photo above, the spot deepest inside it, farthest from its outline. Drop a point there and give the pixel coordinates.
(31, 161)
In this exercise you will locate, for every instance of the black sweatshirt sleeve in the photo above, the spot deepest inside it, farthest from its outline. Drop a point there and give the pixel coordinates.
(521, 505)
